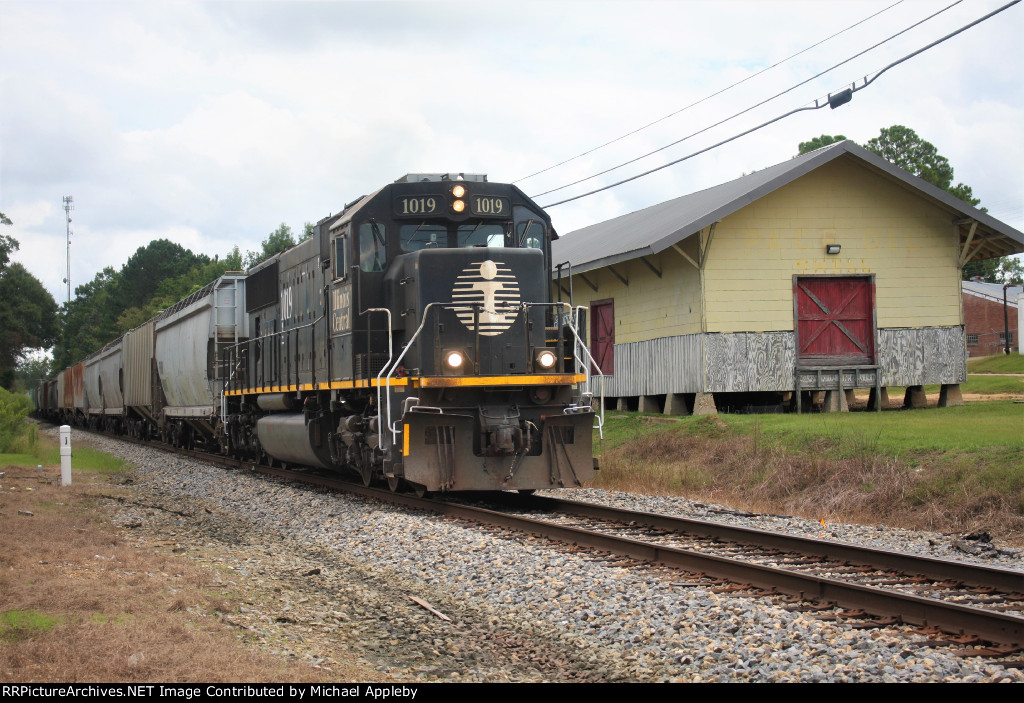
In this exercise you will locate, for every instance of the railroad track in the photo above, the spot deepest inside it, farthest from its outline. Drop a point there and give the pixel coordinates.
(958, 598)
(972, 605)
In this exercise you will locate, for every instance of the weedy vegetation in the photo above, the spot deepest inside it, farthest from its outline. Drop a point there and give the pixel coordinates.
(16, 435)
(944, 469)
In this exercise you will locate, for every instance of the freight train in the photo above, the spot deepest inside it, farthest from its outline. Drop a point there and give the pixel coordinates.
(412, 340)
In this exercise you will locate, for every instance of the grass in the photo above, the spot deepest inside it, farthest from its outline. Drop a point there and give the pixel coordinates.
(18, 625)
(997, 363)
(83, 459)
(970, 427)
(946, 468)
(993, 384)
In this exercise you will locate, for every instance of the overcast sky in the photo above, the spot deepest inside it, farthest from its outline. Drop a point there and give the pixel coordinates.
(210, 123)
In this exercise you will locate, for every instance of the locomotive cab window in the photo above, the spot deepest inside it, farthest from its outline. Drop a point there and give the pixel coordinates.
(425, 235)
(372, 251)
(529, 229)
(340, 256)
(485, 234)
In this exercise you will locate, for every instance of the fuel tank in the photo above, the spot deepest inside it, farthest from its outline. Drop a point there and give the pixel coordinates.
(288, 437)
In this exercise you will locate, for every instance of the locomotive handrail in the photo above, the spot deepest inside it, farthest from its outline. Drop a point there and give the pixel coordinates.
(271, 335)
(380, 430)
(230, 354)
(394, 365)
(580, 345)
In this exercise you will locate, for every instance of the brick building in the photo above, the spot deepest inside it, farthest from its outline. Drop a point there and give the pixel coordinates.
(985, 321)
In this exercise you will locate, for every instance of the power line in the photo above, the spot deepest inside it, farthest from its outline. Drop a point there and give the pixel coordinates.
(752, 107)
(708, 97)
(936, 43)
(832, 101)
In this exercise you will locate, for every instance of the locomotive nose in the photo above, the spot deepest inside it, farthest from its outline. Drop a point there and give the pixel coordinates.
(474, 300)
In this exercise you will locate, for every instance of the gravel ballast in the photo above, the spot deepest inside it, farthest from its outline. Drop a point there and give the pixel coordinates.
(334, 576)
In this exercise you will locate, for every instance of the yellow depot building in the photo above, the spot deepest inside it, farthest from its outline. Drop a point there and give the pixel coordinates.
(796, 284)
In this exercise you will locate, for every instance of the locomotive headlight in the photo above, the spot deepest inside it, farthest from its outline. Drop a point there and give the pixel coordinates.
(454, 359)
(546, 358)
(459, 205)
(458, 191)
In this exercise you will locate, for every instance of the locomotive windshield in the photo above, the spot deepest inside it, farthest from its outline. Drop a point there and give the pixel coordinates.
(415, 236)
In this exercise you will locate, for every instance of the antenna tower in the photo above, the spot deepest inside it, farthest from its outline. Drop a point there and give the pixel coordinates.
(69, 205)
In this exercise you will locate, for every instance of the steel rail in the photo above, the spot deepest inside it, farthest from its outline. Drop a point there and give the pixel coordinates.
(911, 609)
(930, 567)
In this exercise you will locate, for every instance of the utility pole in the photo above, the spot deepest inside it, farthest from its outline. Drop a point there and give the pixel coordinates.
(69, 205)
(1006, 322)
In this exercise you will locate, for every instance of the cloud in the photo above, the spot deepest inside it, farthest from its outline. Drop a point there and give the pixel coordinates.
(214, 122)
(31, 214)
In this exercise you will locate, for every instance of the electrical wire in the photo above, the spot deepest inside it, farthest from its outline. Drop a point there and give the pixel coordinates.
(688, 156)
(708, 97)
(820, 103)
(752, 107)
(936, 43)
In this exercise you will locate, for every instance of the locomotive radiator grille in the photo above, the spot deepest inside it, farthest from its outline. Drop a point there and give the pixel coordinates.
(369, 365)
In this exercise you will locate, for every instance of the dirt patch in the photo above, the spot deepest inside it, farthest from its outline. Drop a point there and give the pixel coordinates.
(84, 601)
(932, 399)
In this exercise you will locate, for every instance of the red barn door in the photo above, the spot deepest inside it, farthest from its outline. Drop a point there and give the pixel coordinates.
(835, 319)
(602, 334)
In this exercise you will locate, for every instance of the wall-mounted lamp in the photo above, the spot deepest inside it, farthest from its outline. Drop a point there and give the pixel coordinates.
(832, 248)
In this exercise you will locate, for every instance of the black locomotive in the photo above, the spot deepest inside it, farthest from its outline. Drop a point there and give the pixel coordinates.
(413, 338)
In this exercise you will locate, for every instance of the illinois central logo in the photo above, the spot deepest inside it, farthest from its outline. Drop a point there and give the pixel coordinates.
(492, 287)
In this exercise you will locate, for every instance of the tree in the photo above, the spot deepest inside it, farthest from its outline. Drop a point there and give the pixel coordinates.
(8, 244)
(89, 319)
(233, 260)
(28, 314)
(818, 142)
(14, 408)
(171, 290)
(28, 318)
(1011, 270)
(1004, 269)
(154, 278)
(150, 265)
(965, 193)
(33, 370)
(279, 240)
(901, 146)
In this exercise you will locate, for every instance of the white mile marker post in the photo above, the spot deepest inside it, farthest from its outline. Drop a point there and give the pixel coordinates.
(65, 455)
